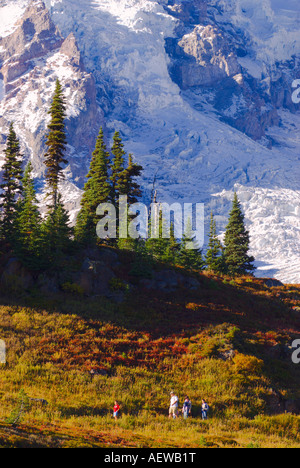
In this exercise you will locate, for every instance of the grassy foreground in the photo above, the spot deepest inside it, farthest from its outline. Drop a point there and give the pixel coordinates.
(228, 342)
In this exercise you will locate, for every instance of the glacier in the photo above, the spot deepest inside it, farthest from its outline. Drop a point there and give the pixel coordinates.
(188, 152)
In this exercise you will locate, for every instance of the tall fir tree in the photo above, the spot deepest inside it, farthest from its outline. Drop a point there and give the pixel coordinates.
(173, 248)
(123, 182)
(237, 242)
(117, 168)
(56, 234)
(97, 190)
(28, 223)
(127, 181)
(56, 144)
(123, 178)
(190, 258)
(127, 185)
(214, 256)
(11, 186)
(163, 249)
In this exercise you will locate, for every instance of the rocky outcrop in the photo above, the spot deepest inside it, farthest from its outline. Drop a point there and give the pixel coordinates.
(35, 36)
(31, 60)
(207, 58)
(273, 283)
(188, 12)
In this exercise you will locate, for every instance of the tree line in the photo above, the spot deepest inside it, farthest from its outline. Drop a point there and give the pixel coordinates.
(43, 242)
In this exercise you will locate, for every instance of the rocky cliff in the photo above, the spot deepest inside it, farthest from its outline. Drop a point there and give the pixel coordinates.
(32, 57)
(209, 60)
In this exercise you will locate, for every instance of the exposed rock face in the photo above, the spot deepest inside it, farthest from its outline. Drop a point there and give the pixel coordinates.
(31, 60)
(35, 36)
(205, 61)
(209, 56)
(188, 11)
(273, 283)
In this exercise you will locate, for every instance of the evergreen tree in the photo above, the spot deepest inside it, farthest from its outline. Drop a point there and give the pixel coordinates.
(172, 249)
(117, 168)
(191, 259)
(127, 181)
(56, 234)
(237, 243)
(164, 249)
(56, 143)
(128, 186)
(214, 255)
(123, 182)
(123, 179)
(28, 246)
(11, 186)
(97, 190)
(157, 247)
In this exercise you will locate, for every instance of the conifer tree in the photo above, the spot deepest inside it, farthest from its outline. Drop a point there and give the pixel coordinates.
(56, 143)
(191, 259)
(237, 242)
(164, 249)
(11, 186)
(127, 181)
(97, 190)
(28, 244)
(123, 181)
(157, 246)
(214, 255)
(173, 248)
(117, 168)
(128, 186)
(57, 233)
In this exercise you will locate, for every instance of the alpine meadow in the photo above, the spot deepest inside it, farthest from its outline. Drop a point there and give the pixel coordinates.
(149, 226)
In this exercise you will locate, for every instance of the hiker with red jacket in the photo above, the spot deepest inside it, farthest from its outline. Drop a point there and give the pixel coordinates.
(116, 410)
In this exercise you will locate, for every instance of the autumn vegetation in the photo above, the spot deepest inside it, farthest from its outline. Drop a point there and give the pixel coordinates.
(218, 342)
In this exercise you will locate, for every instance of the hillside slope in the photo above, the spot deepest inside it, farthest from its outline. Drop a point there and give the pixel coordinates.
(228, 342)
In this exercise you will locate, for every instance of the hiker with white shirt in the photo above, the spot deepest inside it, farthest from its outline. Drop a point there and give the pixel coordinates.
(174, 402)
(205, 409)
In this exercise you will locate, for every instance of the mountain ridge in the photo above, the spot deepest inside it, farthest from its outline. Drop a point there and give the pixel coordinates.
(127, 50)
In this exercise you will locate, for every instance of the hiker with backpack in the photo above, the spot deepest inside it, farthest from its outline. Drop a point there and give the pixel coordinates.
(204, 409)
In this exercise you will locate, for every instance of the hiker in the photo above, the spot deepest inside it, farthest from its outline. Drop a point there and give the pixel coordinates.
(187, 408)
(116, 410)
(174, 402)
(205, 409)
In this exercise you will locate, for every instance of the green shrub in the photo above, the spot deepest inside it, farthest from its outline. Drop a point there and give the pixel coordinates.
(248, 365)
(116, 284)
(73, 288)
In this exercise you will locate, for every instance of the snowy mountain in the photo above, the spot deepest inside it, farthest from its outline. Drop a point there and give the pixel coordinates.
(200, 90)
